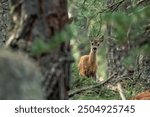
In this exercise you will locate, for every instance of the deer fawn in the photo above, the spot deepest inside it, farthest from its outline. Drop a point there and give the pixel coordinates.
(87, 64)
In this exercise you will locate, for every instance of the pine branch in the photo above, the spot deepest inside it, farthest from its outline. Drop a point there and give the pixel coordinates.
(84, 1)
(72, 93)
(112, 7)
(140, 2)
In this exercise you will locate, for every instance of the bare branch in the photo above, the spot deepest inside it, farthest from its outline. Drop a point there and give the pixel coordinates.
(72, 93)
(116, 5)
(121, 92)
(140, 2)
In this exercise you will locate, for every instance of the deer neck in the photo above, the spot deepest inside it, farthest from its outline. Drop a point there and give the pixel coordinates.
(92, 57)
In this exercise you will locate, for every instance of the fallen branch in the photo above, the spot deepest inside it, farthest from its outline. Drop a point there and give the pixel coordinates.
(72, 93)
(121, 92)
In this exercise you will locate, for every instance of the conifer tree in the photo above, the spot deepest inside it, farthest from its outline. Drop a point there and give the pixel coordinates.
(40, 30)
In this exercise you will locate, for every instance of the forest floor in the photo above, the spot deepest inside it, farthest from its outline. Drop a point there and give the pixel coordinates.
(98, 93)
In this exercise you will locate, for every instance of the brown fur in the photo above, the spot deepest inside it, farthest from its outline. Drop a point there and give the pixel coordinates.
(142, 96)
(87, 63)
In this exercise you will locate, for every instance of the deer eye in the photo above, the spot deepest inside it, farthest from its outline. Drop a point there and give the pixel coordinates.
(92, 43)
(97, 44)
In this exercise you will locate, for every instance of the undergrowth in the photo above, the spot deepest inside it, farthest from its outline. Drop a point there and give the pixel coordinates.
(99, 93)
(102, 92)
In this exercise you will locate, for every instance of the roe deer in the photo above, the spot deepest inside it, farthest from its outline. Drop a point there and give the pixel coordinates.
(88, 64)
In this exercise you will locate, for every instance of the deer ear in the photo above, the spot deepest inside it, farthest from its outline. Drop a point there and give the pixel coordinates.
(101, 38)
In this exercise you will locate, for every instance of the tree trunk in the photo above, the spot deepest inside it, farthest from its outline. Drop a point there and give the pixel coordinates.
(4, 20)
(142, 73)
(42, 19)
(142, 67)
(115, 53)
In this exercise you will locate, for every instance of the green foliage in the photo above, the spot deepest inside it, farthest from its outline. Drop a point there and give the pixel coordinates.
(89, 17)
(133, 87)
(122, 21)
(129, 62)
(145, 49)
(40, 46)
(76, 79)
(93, 17)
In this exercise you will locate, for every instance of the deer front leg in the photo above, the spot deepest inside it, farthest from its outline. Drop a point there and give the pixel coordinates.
(93, 73)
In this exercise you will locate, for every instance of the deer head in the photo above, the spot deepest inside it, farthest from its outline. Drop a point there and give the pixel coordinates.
(95, 43)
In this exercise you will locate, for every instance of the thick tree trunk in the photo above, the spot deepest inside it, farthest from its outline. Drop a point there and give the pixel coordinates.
(42, 19)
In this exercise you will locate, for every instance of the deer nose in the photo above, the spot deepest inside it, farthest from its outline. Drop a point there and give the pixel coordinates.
(94, 48)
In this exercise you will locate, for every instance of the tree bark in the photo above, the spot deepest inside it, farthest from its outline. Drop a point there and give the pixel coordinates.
(4, 20)
(115, 53)
(141, 74)
(142, 71)
(43, 19)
